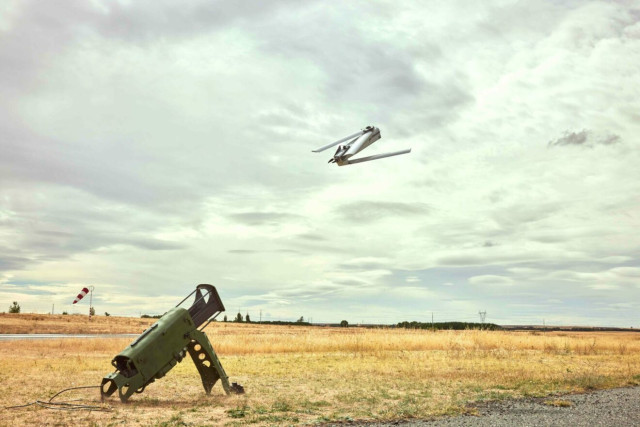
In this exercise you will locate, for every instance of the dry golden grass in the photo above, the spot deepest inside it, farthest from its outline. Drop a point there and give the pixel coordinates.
(27, 323)
(559, 403)
(296, 375)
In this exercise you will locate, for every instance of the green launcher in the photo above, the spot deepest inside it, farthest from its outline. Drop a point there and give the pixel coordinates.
(161, 347)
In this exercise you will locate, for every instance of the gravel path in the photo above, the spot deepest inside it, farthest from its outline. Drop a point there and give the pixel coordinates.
(615, 407)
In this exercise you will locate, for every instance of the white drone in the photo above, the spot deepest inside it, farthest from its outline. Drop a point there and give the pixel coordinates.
(357, 142)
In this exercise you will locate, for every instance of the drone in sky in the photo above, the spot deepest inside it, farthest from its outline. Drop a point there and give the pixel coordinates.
(356, 143)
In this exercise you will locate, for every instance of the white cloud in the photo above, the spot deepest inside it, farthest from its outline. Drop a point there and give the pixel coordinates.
(150, 147)
(603, 287)
(491, 280)
(626, 271)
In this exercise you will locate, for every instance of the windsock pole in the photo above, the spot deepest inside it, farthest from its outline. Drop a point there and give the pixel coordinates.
(90, 301)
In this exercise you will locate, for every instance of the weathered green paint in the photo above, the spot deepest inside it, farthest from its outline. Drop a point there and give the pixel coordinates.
(207, 362)
(154, 353)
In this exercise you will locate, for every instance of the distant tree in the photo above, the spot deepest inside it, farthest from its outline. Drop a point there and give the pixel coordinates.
(247, 318)
(225, 318)
(238, 318)
(449, 325)
(64, 313)
(300, 320)
(14, 308)
(92, 311)
(344, 324)
(106, 314)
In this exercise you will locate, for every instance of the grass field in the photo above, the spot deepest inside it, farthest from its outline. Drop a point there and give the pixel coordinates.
(295, 375)
(28, 323)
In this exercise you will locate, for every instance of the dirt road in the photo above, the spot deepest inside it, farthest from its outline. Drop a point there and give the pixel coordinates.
(616, 407)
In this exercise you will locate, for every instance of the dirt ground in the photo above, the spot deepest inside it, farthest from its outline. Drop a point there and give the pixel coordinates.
(302, 375)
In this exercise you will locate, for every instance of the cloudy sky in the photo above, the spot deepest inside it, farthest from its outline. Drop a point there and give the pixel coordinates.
(149, 146)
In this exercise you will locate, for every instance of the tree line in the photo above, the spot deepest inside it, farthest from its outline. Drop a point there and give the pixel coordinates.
(457, 326)
(15, 308)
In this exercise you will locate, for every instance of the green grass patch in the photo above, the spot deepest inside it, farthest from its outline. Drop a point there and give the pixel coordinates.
(238, 411)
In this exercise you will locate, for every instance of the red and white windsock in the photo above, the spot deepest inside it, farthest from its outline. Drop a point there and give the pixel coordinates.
(81, 295)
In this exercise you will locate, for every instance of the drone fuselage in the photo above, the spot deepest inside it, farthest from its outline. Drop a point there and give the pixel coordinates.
(362, 142)
(356, 143)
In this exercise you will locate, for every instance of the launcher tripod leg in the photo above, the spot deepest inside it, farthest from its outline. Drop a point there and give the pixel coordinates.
(125, 386)
(208, 364)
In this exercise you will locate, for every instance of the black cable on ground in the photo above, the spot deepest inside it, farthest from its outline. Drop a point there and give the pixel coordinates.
(64, 406)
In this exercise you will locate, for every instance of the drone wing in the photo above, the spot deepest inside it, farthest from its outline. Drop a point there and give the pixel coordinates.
(333, 144)
(376, 157)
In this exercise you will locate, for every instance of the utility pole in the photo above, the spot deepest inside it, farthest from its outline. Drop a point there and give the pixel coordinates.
(433, 328)
(483, 315)
(52, 307)
(260, 315)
